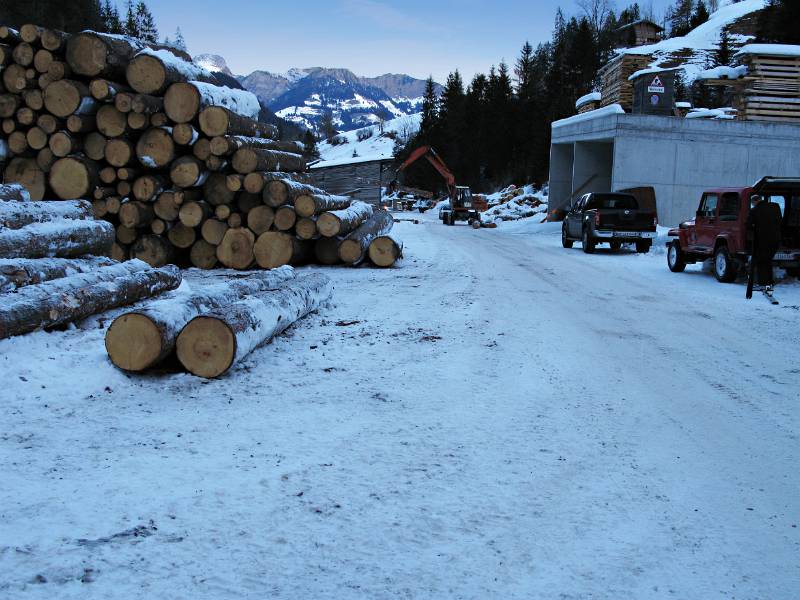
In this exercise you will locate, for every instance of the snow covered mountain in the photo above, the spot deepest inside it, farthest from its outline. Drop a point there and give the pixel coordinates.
(303, 96)
(213, 62)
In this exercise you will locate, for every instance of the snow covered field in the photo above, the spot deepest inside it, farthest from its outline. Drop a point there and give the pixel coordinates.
(497, 418)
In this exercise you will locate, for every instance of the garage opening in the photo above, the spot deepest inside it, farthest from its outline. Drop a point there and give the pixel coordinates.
(578, 168)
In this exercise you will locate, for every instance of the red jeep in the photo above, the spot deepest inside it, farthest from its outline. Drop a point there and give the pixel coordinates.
(720, 229)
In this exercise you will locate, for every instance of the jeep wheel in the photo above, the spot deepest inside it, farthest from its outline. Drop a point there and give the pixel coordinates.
(565, 241)
(675, 258)
(643, 247)
(725, 267)
(615, 246)
(588, 242)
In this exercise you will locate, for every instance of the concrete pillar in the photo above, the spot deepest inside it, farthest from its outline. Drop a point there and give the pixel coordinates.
(561, 164)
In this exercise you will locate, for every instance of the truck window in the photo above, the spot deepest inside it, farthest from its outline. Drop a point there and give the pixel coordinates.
(729, 205)
(612, 201)
(780, 201)
(708, 207)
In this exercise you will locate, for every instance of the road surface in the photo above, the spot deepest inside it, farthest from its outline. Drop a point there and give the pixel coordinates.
(497, 418)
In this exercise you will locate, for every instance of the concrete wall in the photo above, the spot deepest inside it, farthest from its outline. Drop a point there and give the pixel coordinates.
(562, 157)
(682, 157)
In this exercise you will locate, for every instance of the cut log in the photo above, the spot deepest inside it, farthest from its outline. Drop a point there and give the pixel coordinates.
(223, 211)
(341, 222)
(26, 171)
(235, 220)
(57, 71)
(143, 338)
(110, 122)
(135, 214)
(285, 218)
(34, 99)
(20, 272)
(385, 250)
(124, 188)
(123, 102)
(78, 296)
(216, 189)
(159, 227)
(159, 119)
(66, 239)
(94, 145)
(66, 97)
(14, 215)
(45, 159)
(213, 343)
(147, 105)
(248, 160)
(119, 152)
(247, 202)
(14, 191)
(73, 177)
(137, 121)
(155, 149)
(26, 117)
(213, 231)
(63, 143)
(277, 248)
(81, 123)
(108, 175)
(216, 163)
(120, 252)
(235, 251)
(203, 255)
(9, 103)
(260, 219)
(36, 138)
(42, 60)
(30, 34)
(8, 126)
(17, 142)
(53, 40)
(187, 171)
(93, 54)
(354, 248)
(184, 134)
(184, 101)
(23, 54)
(113, 205)
(15, 79)
(126, 235)
(156, 251)
(306, 228)
(9, 35)
(152, 72)
(308, 205)
(166, 207)
(6, 54)
(218, 120)
(279, 191)
(147, 187)
(228, 144)
(105, 90)
(327, 250)
(182, 236)
(127, 173)
(234, 181)
(192, 214)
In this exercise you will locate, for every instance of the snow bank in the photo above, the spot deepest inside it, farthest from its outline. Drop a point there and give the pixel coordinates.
(786, 50)
(723, 72)
(513, 204)
(613, 109)
(713, 113)
(241, 102)
(592, 97)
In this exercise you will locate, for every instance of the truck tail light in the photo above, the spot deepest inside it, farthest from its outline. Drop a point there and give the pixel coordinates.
(597, 219)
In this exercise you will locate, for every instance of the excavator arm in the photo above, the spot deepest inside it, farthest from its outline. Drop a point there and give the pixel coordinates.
(437, 163)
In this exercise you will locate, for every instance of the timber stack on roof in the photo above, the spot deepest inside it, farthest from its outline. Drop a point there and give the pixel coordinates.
(616, 86)
(771, 89)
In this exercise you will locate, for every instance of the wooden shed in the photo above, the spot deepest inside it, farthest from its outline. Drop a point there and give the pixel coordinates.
(639, 33)
(359, 178)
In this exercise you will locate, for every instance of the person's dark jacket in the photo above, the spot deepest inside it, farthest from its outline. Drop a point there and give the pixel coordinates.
(766, 218)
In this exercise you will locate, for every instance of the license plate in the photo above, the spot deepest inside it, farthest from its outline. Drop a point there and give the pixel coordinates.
(786, 256)
(632, 234)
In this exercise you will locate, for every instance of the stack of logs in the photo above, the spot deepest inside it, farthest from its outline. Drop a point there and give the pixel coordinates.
(179, 164)
(53, 268)
(616, 86)
(771, 90)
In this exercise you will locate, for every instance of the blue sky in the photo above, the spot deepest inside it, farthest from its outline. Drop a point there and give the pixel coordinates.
(370, 37)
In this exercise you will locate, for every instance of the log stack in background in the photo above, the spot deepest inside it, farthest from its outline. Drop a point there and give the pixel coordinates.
(179, 165)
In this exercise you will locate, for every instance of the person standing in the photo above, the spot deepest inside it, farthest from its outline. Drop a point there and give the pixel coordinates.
(764, 221)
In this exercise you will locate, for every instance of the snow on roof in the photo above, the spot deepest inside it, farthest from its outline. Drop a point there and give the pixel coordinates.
(613, 109)
(723, 73)
(649, 71)
(770, 50)
(593, 97)
(641, 22)
(705, 36)
(375, 147)
(683, 105)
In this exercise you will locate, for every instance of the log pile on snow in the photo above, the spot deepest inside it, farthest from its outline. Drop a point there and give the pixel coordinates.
(49, 275)
(212, 329)
(514, 203)
(614, 76)
(179, 164)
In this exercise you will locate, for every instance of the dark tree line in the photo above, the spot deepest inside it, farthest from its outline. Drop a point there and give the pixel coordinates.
(779, 22)
(76, 15)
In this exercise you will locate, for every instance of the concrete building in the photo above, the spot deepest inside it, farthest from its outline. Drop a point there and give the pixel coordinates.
(608, 150)
(359, 178)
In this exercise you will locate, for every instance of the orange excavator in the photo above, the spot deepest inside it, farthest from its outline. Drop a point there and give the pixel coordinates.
(463, 206)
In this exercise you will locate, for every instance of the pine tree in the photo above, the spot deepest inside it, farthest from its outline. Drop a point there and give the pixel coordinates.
(724, 54)
(111, 20)
(430, 107)
(700, 15)
(326, 126)
(131, 22)
(310, 149)
(179, 42)
(680, 18)
(145, 23)
(523, 70)
(778, 22)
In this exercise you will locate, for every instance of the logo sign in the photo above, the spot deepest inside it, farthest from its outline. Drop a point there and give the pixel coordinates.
(655, 99)
(657, 86)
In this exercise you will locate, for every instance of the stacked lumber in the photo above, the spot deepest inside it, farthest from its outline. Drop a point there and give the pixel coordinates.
(53, 268)
(616, 86)
(212, 329)
(771, 90)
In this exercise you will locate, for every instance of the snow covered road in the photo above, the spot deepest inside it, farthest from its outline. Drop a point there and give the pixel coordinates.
(498, 418)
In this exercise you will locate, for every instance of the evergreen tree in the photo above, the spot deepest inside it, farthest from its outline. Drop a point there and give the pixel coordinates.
(110, 16)
(700, 15)
(630, 15)
(179, 42)
(145, 23)
(778, 22)
(523, 70)
(131, 22)
(680, 18)
(310, 149)
(430, 107)
(724, 54)
(327, 126)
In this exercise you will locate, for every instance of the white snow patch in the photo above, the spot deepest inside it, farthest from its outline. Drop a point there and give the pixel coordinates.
(241, 102)
(786, 50)
(592, 97)
(613, 109)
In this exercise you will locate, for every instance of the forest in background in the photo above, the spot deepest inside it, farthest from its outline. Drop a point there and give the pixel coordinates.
(495, 130)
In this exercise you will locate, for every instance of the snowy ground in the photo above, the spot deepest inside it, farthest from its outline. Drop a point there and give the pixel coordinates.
(497, 418)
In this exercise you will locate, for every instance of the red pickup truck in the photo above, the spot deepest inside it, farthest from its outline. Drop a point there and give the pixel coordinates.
(719, 230)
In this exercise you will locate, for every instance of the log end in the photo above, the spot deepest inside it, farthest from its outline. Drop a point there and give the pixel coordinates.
(206, 347)
(146, 74)
(133, 342)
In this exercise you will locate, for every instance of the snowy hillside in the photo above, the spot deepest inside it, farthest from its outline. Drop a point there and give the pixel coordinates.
(692, 52)
(373, 144)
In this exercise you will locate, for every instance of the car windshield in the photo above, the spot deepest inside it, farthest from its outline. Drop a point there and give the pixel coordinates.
(614, 201)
